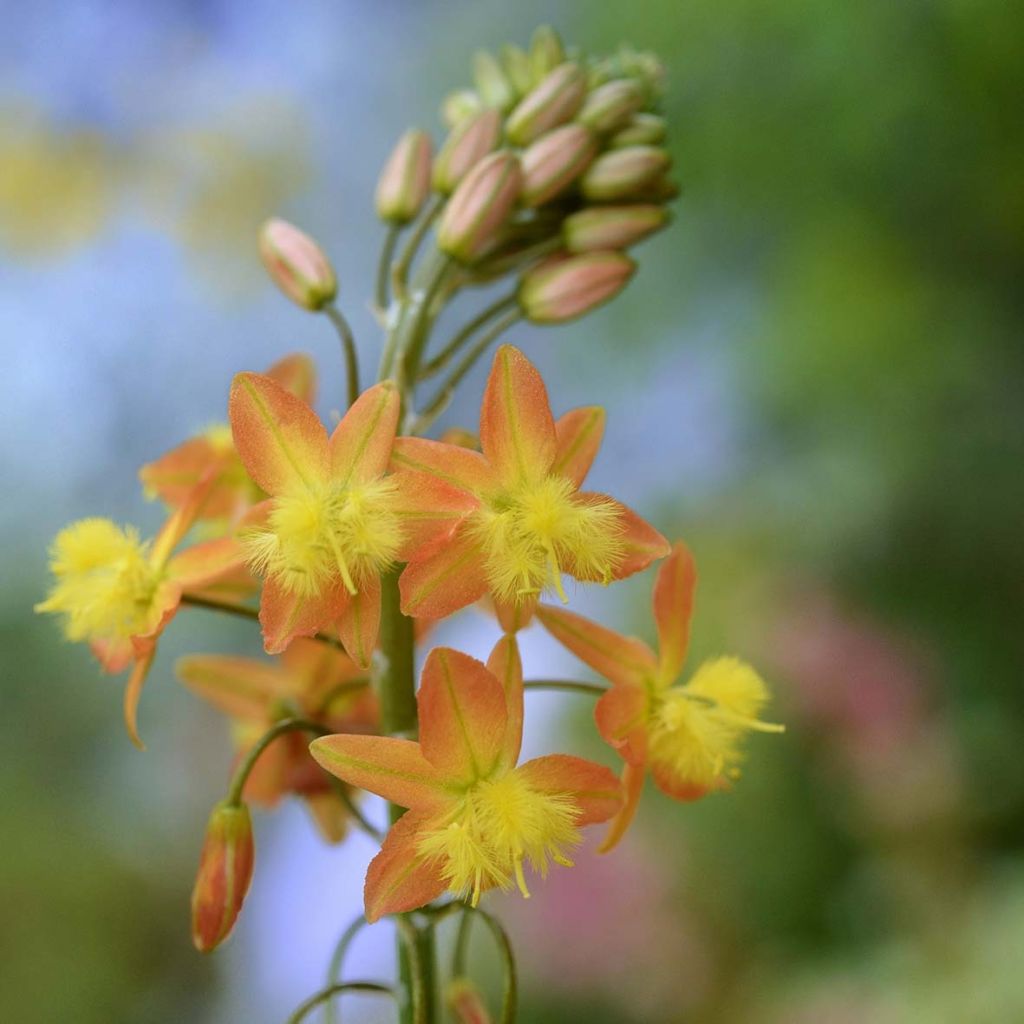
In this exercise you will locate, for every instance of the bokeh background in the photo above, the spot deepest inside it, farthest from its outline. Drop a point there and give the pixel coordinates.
(816, 378)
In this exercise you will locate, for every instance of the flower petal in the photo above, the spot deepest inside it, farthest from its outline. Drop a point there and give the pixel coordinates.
(279, 439)
(507, 667)
(594, 788)
(296, 373)
(679, 789)
(620, 659)
(145, 653)
(206, 563)
(579, 434)
(444, 576)
(428, 507)
(462, 715)
(113, 655)
(399, 878)
(632, 788)
(517, 432)
(361, 443)
(673, 607)
(182, 519)
(359, 621)
(621, 717)
(240, 687)
(329, 814)
(643, 543)
(392, 768)
(454, 464)
(174, 475)
(514, 616)
(284, 615)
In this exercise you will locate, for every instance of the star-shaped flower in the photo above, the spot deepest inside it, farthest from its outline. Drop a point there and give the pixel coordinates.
(688, 735)
(474, 818)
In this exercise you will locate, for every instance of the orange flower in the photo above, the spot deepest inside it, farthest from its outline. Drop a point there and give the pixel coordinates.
(119, 593)
(312, 680)
(530, 522)
(175, 475)
(688, 735)
(474, 817)
(334, 522)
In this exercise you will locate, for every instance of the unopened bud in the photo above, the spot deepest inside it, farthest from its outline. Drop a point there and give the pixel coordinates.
(405, 180)
(610, 106)
(641, 130)
(662, 190)
(621, 173)
(469, 142)
(296, 264)
(459, 105)
(516, 63)
(491, 81)
(546, 51)
(464, 1001)
(612, 227)
(225, 870)
(555, 161)
(480, 206)
(552, 102)
(562, 289)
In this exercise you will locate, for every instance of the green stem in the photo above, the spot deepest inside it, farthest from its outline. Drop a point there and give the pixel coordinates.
(400, 269)
(415, 321)
(387, 253)
(337, 964)
(441, 360)
(332, 990)
(416, 971)
(348, 344)
(461, 948)
(589, 689)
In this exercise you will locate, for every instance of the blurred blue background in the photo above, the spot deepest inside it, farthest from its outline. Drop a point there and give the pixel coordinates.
(815, 379)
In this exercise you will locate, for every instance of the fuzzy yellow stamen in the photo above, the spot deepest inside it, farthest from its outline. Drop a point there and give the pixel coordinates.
(320, 535)
(498, 825)
(697, 729)
(533, 534)
(105, 583)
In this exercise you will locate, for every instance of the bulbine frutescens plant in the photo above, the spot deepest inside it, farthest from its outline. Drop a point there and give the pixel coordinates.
(357, 542)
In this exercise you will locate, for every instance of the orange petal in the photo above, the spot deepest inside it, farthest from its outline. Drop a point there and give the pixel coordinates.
(392, 768)
(316, 668)
(279, 438)
(517, 432)
(329, 814)
(207, 562)
(113, 655)
(175, 474)
(359, 621)
(296, 373)
(512, 616)
(620, 659)
(671, 785)
(579, 436)
(240, 687)
(594, 788)
(632, 788)
(673, 607)
(182, 519)
(399, 878)
(268, 781)
(621, 717)
(361, 443)
(444, 576)
(284, 615)
(429, 507)
(462, 715)
(468, 470)
(133, 690)
(643, 543)
(507, 667)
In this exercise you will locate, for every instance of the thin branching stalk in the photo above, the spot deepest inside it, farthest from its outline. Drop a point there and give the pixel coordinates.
(348, 345)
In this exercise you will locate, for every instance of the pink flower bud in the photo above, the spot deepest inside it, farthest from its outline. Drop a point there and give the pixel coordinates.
(469, 142)
(491, 81)
(621, 173)
(555, 161)
(546, 51)
(612, 227)
(296, 264)
(610, 105)
(405, 180)
(551, 103)
(464, 1001)
(640, 130)
(480, 206)
(563, 288)
(225, 870)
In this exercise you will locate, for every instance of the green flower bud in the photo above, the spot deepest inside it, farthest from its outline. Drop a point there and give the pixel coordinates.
(622, 173)
(405, 180)
(562, 289)
(459, 105)
(469, 142)
(641, 130)
(610, 105)
(612, 227)
(555, 161)
(478, 209)
(297, 265)
(546, 51)
(552, 102)
(516, 63)
(491, 81)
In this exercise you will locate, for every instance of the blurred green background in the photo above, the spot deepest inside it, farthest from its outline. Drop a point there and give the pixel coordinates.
(816, 379)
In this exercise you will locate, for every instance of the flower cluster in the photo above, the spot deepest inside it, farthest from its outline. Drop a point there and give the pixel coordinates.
(349, 545)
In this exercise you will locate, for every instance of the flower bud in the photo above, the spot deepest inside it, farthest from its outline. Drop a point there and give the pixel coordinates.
(612, 227)
(225, 870)
(296, 264)
(459, 105)
(610, 105)
(555, 161)
(662, 190)
(562, 288)
(469, 142)
(621, 173)
(405, 180)
(516, 63)
(641, 130)
(480, 206)
(491, 81)
(546, 51)
(464, 1001)
(552, 102)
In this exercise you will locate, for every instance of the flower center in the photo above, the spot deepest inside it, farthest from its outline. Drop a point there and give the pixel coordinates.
(535, 533)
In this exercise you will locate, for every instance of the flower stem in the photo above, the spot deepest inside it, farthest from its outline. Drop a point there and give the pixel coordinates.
(441, 360)
(387, 252)
(332, 990)
(400, 268)
(337, 964)
(568, 685)
(349, 346)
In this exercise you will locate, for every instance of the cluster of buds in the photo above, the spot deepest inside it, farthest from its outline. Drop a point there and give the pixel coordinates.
(553, 166)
